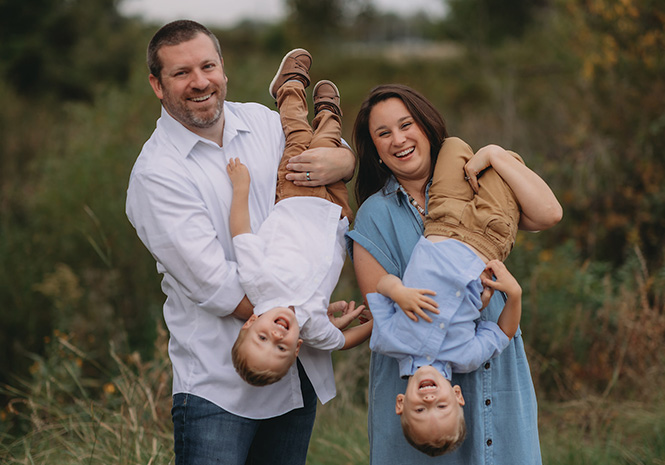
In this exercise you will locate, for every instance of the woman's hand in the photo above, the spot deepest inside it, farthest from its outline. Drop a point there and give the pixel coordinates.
(479, 162)
(321, 166)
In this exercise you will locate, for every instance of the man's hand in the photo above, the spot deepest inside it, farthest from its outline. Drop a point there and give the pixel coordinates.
(348, 312)
(320, 166)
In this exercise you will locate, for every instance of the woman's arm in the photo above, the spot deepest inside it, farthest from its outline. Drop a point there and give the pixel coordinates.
(540, 208)
(368, 270)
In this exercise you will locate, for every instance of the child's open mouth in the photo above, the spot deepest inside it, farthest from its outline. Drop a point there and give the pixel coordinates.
(427, 385)
(282, 322)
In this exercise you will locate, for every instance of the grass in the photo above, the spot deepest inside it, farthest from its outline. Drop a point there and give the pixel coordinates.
(62, 416)
(339, 436)
(603, 431)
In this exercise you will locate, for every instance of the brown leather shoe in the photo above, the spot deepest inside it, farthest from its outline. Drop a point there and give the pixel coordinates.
(295, 65)
(326, 97)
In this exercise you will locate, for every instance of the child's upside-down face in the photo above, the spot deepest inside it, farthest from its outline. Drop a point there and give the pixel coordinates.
(273, 339)
(431, 404)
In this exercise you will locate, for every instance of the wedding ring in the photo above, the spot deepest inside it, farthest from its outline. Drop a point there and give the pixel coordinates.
(307, 176)
(466, 178)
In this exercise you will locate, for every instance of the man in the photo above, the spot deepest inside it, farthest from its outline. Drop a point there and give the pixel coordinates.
(178, 200)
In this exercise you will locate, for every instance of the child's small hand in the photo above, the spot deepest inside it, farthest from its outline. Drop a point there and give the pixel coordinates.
(488, 292)
(414, 303)
(348, 311)
(505, 281)
(238, 173)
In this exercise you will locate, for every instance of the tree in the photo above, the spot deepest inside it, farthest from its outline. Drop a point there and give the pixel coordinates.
(488, 22)
(63, 47)
(620, 135)
(315, 20)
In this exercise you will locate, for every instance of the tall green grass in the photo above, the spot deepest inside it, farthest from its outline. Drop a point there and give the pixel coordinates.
(120, 414)
(113, 415)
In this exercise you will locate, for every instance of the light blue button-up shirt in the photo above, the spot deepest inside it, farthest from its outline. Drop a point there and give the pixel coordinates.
(500, 410)
(452, 341)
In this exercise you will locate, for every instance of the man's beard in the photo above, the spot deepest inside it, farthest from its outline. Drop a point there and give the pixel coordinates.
(189, 117)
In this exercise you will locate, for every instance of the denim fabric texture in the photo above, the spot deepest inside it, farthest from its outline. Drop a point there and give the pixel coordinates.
(501, 411)
(206, 434)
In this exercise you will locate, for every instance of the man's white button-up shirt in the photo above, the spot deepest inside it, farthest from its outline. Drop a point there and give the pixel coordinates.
(178, 200)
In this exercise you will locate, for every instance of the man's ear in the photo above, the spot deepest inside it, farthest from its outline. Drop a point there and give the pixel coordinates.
(156, 86)
(250, 321)
(226, 78)
(399, 404)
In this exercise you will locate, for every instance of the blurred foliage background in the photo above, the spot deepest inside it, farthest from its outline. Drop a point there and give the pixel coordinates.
(577, 87)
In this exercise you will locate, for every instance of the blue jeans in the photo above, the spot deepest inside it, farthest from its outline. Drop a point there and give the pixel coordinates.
(205, 434)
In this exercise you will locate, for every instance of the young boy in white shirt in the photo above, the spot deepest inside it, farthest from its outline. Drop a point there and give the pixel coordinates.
(290, 267)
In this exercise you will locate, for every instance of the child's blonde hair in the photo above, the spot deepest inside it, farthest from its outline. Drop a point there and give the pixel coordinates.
(248, 373)
(442, 445)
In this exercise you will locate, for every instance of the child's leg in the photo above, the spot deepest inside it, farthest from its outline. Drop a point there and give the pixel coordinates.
(292, 104)
(327, 125)
(488, 220)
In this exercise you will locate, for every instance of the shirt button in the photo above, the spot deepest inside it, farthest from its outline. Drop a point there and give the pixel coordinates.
(428, 358)
(488, 401)
(458, 293)
(487, 365)
(489, 442)
(442, 325)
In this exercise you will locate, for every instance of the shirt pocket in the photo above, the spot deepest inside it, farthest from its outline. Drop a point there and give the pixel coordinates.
(500, 231)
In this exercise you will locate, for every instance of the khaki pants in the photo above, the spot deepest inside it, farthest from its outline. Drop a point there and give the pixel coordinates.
(326, 131)
(488, 220)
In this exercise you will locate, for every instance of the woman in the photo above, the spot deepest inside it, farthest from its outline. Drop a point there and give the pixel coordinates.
(398, 135)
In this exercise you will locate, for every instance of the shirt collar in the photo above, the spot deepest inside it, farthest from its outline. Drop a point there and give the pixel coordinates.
(392, 187)
(409, 364)
(184, 140)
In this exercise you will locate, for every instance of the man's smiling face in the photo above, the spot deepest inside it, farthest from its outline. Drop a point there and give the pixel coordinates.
(192, 85)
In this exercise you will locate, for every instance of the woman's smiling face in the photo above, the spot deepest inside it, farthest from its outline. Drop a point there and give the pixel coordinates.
(400, 142)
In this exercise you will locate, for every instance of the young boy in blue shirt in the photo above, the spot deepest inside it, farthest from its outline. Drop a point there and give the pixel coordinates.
(467, 235)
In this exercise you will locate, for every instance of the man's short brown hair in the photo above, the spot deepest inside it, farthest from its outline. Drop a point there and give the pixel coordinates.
(175, 33)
